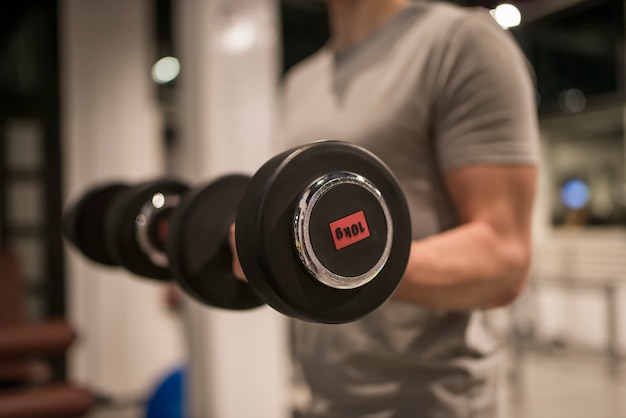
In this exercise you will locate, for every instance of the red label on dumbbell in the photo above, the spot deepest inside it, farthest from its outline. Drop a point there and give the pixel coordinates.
(349, 230)
(164, 224)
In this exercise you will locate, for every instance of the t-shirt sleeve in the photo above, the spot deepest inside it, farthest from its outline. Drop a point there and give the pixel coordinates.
(485, 103)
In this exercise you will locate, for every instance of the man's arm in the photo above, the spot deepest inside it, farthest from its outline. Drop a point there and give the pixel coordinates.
(484, 262)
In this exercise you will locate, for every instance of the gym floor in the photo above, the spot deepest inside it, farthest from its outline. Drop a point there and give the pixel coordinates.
(552, 386)
(557, 386)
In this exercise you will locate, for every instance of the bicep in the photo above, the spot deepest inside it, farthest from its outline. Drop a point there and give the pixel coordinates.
(500, 196)
(487, 137)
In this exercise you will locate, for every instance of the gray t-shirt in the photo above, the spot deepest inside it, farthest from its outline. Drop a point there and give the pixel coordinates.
(436, 88)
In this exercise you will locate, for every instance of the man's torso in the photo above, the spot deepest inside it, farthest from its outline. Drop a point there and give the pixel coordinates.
(401, 360)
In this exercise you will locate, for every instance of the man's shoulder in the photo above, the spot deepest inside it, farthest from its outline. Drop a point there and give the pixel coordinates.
(442, 18)
(314, 61)
(306, 71)
(445, 14)
(431, 24)
(448, 19)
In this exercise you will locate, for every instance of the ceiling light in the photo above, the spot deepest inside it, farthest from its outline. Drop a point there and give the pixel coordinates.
(507, 15)
(165, 70)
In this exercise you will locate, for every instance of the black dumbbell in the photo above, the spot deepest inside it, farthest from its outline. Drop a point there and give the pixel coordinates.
(119, 225)
(198, 245)
(137, 223)
(323, 232)
(84, 222)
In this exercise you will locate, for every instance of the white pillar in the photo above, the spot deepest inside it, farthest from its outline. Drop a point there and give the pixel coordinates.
(229, 72)
(110, 131)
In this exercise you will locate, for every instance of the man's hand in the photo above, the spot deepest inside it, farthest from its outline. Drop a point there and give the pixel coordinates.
(173, 296)
(237, 270)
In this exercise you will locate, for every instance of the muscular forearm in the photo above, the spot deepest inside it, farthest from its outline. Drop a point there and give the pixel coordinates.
(469, 267)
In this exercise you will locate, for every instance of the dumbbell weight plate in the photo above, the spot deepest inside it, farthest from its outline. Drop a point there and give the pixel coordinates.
(198, 247)
(137, 227)
(83, 222)
(357, 191)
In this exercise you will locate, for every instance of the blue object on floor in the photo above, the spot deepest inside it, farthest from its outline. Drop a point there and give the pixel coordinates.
(168, 398)
(575, 194)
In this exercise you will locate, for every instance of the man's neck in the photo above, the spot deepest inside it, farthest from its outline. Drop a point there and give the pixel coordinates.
(354, 20)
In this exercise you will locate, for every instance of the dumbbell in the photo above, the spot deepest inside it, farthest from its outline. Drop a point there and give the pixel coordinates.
(128, 226)
(84, 222)
(198, 248)
(117, 224)
(323, 231)
(323, 234)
